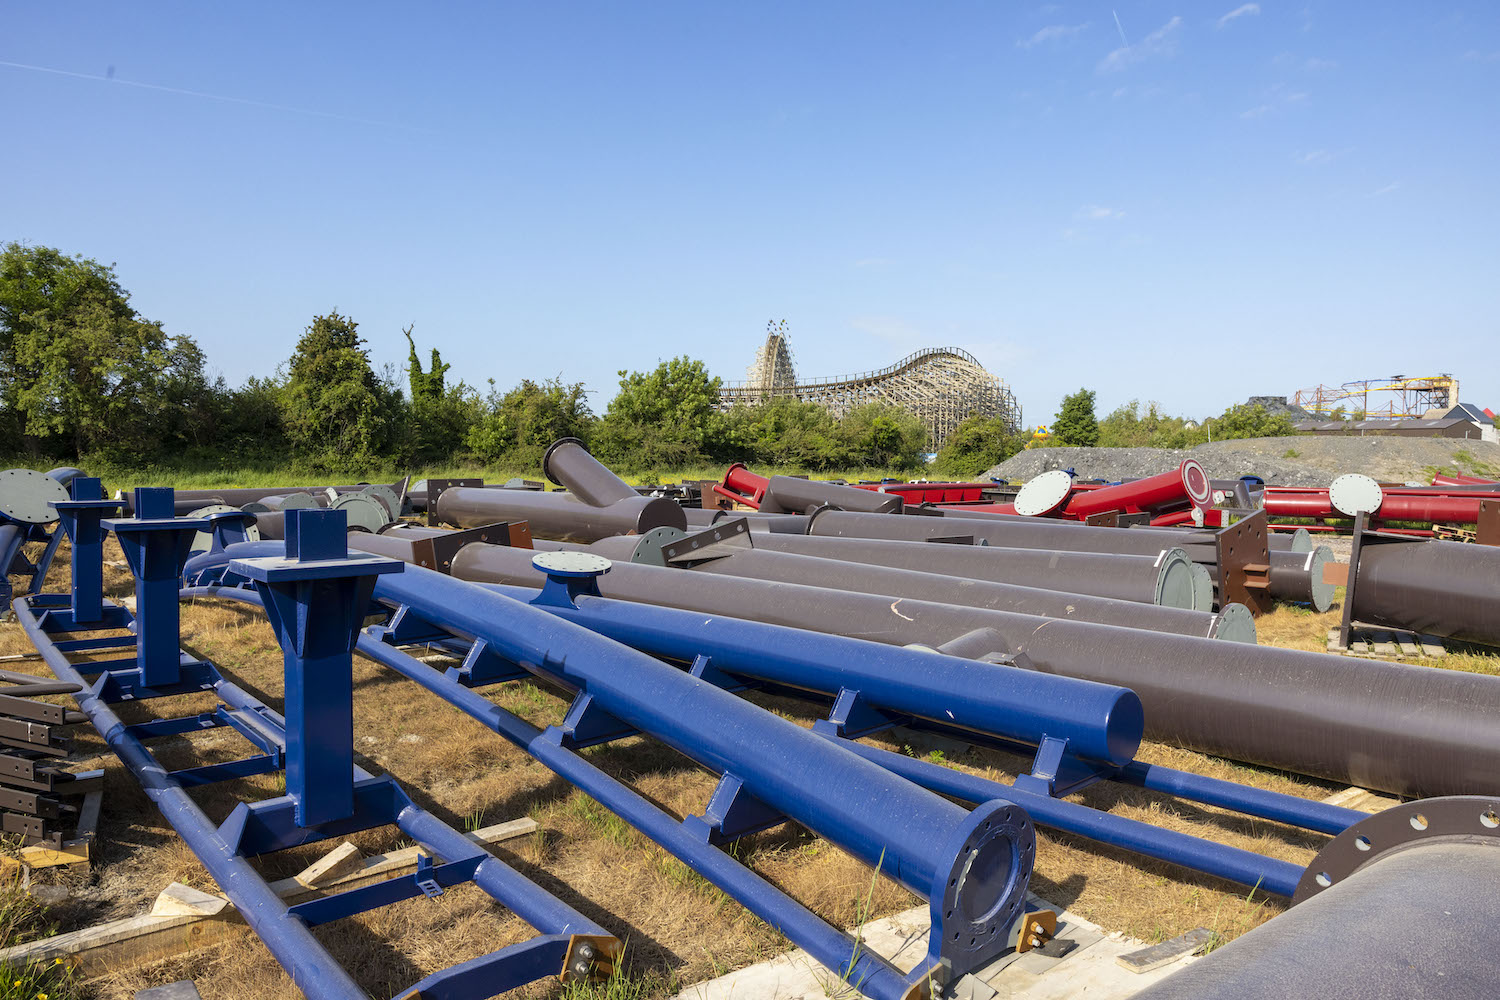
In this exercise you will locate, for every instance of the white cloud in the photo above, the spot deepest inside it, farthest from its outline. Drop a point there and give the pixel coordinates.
(1474, 55)
(1316, 157)
(1244, 10)
(1161, 42)
(1316, 65)
(1052, 33)
(1098, 213)
(1393, 185)
(1256, 111)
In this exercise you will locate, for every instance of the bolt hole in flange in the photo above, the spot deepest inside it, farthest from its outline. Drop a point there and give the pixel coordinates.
(1362, 843)
(1323, 880)
(1489, 818)
(1418, 821)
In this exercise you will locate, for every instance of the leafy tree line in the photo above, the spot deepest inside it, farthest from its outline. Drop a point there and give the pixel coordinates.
(1127, 426)
(83, 373)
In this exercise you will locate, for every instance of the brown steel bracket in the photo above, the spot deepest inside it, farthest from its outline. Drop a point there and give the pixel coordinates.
(437, 553)
(1104, 519)
(590, 956)
(1363, 535)
(436, 488)
(1037, 928)
(1245, 564)
(723, 539)
(1487, 528)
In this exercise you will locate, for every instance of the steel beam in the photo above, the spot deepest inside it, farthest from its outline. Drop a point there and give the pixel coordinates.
(555, 516)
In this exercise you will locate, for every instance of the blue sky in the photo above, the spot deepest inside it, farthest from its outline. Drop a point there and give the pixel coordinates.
(1187, 202)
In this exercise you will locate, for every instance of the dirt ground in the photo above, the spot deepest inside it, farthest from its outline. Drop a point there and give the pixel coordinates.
(680, 929)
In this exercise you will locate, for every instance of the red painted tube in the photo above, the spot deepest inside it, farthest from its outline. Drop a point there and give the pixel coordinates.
(1280, 501)
(1429, 507)
(1154, 492)
(743, 486)
(1173, 519)
(1442, 480)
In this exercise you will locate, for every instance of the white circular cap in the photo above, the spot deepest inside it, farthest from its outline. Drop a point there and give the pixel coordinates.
(570, 563)
(1353, 494)
(1195, 481)
(26, 495)
(1044, 494)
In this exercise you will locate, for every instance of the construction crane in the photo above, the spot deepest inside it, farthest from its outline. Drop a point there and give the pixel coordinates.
(1414, 396)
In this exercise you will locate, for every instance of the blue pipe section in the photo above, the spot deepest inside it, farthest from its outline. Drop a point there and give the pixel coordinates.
(1100, 722)
(834, 949)
(1231, 863)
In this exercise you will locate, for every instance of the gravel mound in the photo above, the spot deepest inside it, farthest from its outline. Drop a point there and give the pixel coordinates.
(1302, 460)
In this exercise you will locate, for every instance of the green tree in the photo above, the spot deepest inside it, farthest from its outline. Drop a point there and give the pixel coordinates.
(517, 427)
(882, 436)
(1127, 427)
(425, 386)
(80, 369)
(781, 431)
(1076, 425)
(1245, 421)
(338, 414)
(977, 445)
(664, 418)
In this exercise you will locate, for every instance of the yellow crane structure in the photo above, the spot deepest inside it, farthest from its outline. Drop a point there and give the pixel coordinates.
(1412, 396)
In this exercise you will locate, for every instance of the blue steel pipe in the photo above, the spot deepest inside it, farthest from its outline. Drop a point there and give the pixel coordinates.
(875, 977)
(971, 867)
(1094, 717)
(1231, 863)
(1100, 722)
(288, 938)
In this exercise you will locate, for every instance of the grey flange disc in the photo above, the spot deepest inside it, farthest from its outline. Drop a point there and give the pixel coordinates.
(1302, 540)
(1044, 494)
(571, 563)
(1322, 593)
(26, 496)
(386, 497)
(203, 540)
(1353, 494)
(1236, 624)
(648, 549)
(364, 513)
(1175, 587)
(1203, 588)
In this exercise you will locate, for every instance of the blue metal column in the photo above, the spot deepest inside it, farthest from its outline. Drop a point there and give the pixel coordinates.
(81, 519)
(315, 597)
(156, 544)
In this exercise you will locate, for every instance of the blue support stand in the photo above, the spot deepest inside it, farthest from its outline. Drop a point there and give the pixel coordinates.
(315, 598)
(81, 520)
(156, 545)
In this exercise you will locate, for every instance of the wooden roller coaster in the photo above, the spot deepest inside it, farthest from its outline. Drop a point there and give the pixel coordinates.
(940, 385)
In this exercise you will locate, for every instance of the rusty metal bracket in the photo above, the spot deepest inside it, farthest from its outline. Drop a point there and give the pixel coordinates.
(436, 488)
(1037, 928)
(437, 553)
(1245, 564)
(1487, 529)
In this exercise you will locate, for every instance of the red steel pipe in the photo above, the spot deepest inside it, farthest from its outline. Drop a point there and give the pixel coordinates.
(1186, 483)
(743, 486)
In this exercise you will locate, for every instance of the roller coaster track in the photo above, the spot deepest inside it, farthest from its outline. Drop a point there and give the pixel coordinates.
(941, 385)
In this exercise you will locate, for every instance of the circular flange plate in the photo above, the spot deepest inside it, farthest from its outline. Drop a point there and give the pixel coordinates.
(1302, 540)
(1235, 624)
(1322, 593)
(1174, 580)
(1195, 481)
(570, 563)
(203, 540)
(386, 497)
(255, 507)
(1044, 494)
(1353, 494)
(1203, 588)
(25, 496)
(364, 513)
(985, 890)
(295, 501)
(1451, 817)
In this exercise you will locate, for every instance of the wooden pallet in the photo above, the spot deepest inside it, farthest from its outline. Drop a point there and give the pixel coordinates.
(1454, 533)
(1387, 644)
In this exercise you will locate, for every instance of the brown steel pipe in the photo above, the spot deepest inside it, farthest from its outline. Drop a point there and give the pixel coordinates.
(553, 515)
(1163, 579)
(1297, 577)
(790, 494)
(1234, 624)
(1449, 589)
(1392, 727)
(568, 464)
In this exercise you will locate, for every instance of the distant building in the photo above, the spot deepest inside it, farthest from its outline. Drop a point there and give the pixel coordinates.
(1463, 420)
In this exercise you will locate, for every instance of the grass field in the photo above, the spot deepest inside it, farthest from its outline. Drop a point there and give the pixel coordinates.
(680, 928)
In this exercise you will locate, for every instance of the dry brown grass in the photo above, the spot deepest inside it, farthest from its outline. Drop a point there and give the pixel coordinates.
(680, 928)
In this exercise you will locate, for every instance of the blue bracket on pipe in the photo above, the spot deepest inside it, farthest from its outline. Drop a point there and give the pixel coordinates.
(80, 519)
(703, 669)
(1056, 773)
(851, 717)
(407, 628)
(482, 666)
(732, 813)
(587, 725)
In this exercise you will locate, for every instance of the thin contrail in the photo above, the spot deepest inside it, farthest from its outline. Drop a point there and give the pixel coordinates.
(198, 93)
(1121, 29)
